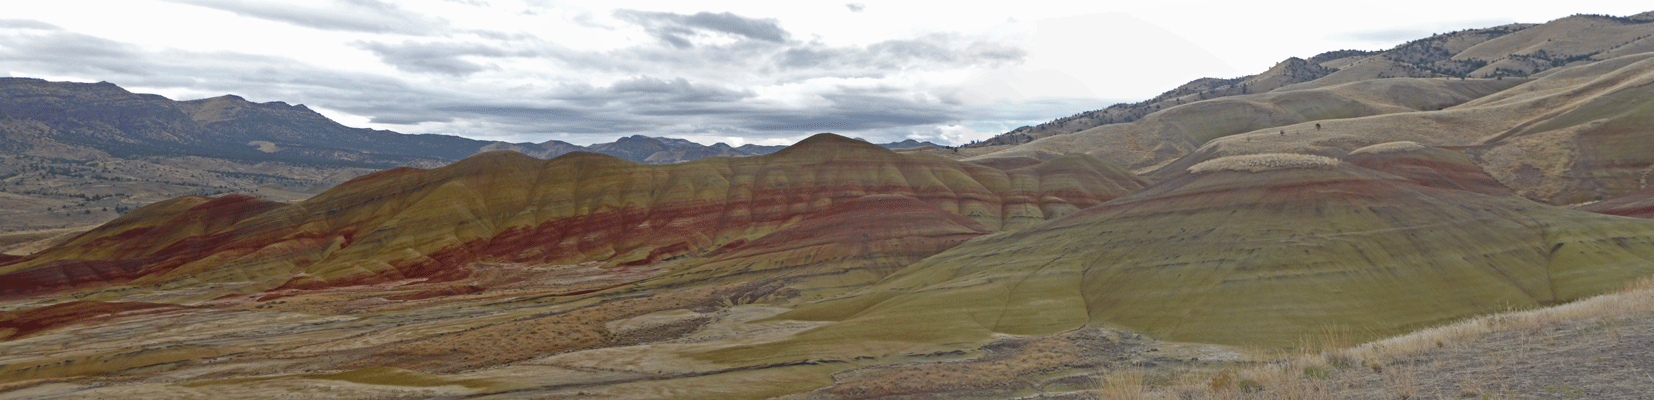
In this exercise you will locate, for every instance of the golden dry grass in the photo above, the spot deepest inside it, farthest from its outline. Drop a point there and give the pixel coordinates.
(1328, 368)
(1634, 298)
(1265, 162)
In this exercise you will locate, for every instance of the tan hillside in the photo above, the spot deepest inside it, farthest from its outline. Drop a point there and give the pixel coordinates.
(1566, 137)
(1164, 136)
(1563, 42)
(1515, 50)
(1292, 70)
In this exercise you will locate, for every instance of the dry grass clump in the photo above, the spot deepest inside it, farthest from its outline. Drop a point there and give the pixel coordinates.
(1391, 147)
(1637, 296)
(1010, 365)
(1327, 367)
(1265, 162)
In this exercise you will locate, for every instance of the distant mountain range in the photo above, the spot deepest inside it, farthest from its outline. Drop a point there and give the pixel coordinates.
(39, 115)
(104, 117)
(660, 150)
(76, 154)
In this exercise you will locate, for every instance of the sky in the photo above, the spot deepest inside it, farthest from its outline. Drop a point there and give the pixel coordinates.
(737, 72)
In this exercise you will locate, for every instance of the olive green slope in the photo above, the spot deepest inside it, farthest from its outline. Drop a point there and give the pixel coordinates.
(1259, 250)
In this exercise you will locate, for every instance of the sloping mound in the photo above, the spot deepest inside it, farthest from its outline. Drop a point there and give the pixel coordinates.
(19, 323)
(1576, 134)
(1177, 131)
(1007, 163)
(1265, 162)
(1639, 204)
(410, 225)
(1428, 166)
(153, 240)
(844, 247)
(1251, 258)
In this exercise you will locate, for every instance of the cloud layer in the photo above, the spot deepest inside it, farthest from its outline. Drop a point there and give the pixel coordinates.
(710, 74)
(536, 70)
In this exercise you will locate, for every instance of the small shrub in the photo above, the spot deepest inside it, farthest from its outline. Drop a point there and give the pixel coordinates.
(1340, 360)
(1223, 381)
(1316, 372)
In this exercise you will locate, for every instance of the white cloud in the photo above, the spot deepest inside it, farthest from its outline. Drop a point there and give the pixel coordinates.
(530, 70)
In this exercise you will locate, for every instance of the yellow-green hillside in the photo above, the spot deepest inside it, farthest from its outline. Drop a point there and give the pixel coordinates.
(1249, 251)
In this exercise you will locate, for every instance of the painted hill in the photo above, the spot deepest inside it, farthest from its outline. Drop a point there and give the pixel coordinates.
(1428, 166)
(841, 248)
(1257, 249)
(430, 225)
(1639, 204)
(835, 268)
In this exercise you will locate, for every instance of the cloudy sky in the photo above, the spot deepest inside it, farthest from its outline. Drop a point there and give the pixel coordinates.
(737, 71)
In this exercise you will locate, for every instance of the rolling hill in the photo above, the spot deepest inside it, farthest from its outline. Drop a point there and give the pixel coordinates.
(1258, 249)
(1167, 249)
(506, 207)
(1516, 50)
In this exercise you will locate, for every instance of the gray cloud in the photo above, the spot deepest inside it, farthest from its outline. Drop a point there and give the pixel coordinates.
(855, 7)
(371, 16)
(674, 28)
(442, 58)
(702, 89)
(27, 24)
(67, 52)
(676, 90)
(935, 50)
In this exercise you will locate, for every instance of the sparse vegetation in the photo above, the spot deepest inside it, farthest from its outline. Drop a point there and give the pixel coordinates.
(1265, 162)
